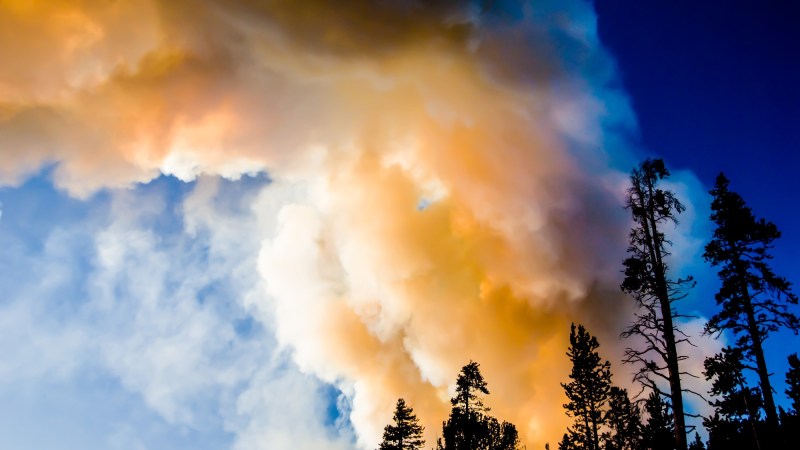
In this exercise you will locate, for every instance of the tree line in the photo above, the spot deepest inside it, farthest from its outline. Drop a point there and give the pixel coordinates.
(753, 302)
(468, 427)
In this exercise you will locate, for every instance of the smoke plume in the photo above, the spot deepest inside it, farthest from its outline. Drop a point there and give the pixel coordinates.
(440, 190)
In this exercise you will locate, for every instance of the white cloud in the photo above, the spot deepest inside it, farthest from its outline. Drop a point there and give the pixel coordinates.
(163, 311)
(285, 409)
(704, 346)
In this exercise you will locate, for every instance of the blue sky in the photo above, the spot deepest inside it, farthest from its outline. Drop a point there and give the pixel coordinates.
(102, 356)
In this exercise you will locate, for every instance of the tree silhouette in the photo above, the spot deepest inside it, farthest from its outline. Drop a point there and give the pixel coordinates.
(588, 392)
(752, 297)
(793, 382)
(648, 281)
(735, 422)
(659, 431)
(566, 443)
(469, 385)
(464, 426)
(469, 427)
(790, 421)
(624, 421)
(501, 435)
(697, 444)
(405, 433)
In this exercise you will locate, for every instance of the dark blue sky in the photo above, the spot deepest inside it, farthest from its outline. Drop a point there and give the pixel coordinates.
(716, 87)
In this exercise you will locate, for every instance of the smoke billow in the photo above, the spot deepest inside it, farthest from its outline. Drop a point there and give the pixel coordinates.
(439, 190)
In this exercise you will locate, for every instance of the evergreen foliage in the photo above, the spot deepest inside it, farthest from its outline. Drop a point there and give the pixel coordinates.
(624, 421)
(647, 280)
(405, 433)
(790, 421)
(753, 299)
(793, 383)
(659, 431)
(736, 406)
(469, 385)
(469, 427)
(566, 443)
(588, 392)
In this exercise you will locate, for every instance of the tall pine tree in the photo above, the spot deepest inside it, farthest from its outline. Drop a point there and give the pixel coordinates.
(648, 281)
(753, 299)
(405, 433)
(469, 427)
(464, 429)
(588, 392)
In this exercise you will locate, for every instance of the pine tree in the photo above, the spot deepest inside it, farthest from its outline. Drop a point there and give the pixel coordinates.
(469, 427)
(790, 421)
(659, 431)
(499, 436)
(469, 385)
(464, 428)
(566, 443)
(793, 383)
(624, 421)
(753, 299)
(588, 392)
(736, 406)
(406, 433)
(648, 281)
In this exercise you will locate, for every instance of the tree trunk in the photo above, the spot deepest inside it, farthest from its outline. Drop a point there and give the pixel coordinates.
(761, 365)
(467, 423)
(674, 374)
(595, 443)
(676, 392)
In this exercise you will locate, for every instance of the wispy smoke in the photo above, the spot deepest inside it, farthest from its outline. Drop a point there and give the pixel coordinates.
(440, 186)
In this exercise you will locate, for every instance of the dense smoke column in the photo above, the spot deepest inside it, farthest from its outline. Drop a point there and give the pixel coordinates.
(438, 189)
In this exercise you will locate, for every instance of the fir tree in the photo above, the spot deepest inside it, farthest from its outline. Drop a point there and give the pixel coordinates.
(469, 427)
(469, 385)
(588, 392)
(753, 299)
(464, 427)
(406, 433)
(659, 431)
(736, 406)
(624, 421)
(793, 383)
